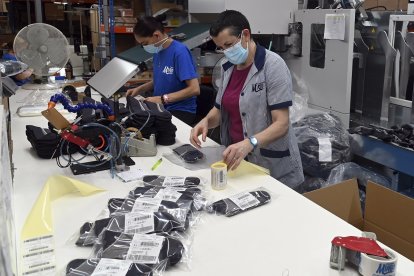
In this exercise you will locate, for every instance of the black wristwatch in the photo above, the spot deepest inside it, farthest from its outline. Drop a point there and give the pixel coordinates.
(162, 100)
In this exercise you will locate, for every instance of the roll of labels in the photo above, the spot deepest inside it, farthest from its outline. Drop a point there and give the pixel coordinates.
(219, 176)
(363, 253)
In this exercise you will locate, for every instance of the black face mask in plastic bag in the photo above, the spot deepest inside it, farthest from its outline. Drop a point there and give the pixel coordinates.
(163, 222)
(190, 197)
(158, 181)
(114, 204)
(128, 205)
(116, 246)
(150, 191)
(85, 267)
(89, 232)
(228, 208)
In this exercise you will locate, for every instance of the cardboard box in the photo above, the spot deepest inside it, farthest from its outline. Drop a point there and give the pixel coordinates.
(370, 4)
(403, 5)
(391, 5)
(54, 11)
(387, 213)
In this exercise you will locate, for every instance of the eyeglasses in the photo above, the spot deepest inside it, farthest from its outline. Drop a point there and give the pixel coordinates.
(221, 50)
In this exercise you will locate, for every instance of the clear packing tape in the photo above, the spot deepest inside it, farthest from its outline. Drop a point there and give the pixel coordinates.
(37, 246)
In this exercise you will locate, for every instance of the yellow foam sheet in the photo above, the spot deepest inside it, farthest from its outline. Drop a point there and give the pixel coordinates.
(39, 221)
(247, 168)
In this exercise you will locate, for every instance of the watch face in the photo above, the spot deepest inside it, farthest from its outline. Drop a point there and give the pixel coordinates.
(253, 140)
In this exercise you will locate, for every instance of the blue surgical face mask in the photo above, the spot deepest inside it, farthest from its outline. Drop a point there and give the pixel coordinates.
(152, 49)
(236, 54)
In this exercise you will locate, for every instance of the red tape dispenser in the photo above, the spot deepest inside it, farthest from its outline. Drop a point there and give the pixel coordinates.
(365, 253)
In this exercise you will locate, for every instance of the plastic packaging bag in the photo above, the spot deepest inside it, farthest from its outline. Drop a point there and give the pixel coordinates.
(298, 109)
(170, 181)
(103, 267)
(311, 183)
(351, 170)
(188, 153)
(323, 144)
(210, 155)
(300, 101)
(240, 202)
(139, 248)
(114, 204)
(157, 221)
(145, 204)
(185, 197)
(181, 203)
(36, 102)
(149, 222)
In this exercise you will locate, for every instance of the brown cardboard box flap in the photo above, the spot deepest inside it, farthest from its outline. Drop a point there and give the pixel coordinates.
(394, 242)
(390, 211)
(390, 5)
(340, 199)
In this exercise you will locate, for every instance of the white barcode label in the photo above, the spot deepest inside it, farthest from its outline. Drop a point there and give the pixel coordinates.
(38, 256)
(38, 259)
(112, 267)
(325, 149)
(173, 181)
(221, 177)
(148, 205)
(43, 271)
(145, 249)
(139, 223)
(39, 243)
(244, 200)
(175, 189)
(131, 175)
(169, 193)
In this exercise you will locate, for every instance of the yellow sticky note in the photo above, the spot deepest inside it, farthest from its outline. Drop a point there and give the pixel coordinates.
(39, 221)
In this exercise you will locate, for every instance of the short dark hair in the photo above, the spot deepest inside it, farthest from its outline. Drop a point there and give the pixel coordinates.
(146, 26)
(231, 19)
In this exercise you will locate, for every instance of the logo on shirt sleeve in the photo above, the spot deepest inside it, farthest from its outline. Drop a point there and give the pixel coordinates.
(168, 70)
(257, 87)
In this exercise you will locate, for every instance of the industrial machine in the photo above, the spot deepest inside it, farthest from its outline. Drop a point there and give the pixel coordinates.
(366, 79)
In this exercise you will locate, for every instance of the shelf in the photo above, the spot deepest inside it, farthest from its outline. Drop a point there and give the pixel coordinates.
(130, 29)
(121, 29)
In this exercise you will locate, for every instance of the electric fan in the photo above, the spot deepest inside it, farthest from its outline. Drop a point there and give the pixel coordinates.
(44, 49)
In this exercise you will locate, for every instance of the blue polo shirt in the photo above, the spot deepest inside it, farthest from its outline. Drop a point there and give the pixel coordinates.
(172, 67)
(8, 56)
